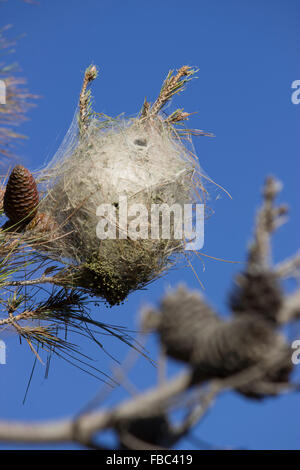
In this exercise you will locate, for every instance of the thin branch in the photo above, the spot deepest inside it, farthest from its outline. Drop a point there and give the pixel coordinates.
(268, 219)
(12, 319)
(289, 267)
(84, 97)
(290, 309)
(173, 84)
(32, 282)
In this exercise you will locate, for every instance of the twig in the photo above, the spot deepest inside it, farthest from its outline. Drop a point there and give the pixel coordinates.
(12, 319)
(268, 219)
(32, 282)
(288, 268)
(290, 309)
(84, 97)
(173, 84)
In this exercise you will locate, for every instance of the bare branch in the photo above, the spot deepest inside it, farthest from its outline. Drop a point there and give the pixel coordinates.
(84, 98)
(290, 309)
(289, 267)
(268, 219)
(63, 430)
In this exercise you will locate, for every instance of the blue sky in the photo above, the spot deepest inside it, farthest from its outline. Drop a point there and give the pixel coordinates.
(248, 55)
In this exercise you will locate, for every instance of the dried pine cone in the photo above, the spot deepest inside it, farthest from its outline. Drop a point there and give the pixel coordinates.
(21, 197)
(154, 430)
(193, 333)
(257, 294)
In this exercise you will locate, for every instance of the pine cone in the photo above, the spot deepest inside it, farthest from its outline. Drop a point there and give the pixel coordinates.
(154, 430)
(191, 332)
(21, 197)
(257, 294)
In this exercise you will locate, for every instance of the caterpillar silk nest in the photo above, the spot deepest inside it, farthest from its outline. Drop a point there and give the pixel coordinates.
(139, 162)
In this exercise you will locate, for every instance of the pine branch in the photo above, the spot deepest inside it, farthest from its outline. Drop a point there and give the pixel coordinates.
(18, 101)
(172, 85)
(85, 98)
